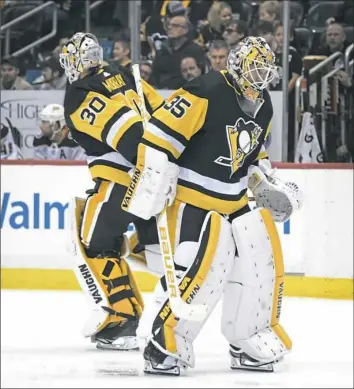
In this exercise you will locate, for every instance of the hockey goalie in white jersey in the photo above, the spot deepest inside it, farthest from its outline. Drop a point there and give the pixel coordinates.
(214, 129)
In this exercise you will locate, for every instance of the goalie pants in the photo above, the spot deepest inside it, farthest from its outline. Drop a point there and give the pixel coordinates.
(103, 221)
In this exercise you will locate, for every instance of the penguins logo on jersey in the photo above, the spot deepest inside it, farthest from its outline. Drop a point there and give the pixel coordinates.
(242, 139)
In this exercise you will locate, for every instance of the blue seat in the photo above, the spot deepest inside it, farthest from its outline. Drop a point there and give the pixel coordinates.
(32, 74)
(107, 46)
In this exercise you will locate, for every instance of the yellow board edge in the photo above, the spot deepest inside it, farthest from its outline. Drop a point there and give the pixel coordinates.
(59, 279)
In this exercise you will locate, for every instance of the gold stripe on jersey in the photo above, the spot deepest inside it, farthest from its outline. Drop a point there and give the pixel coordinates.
(95, 114)
(183, 113)
(120, 127)
(209, 203)
(92, 210)
(262, 155)
(153, 97)
(268, 131)
(110, 173)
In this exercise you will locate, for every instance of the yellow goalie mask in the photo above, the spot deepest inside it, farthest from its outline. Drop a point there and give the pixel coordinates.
(252, 64)
(82, 52)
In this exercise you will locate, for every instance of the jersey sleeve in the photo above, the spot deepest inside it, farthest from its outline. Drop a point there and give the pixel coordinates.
(263, 152)
(173, 125)
(153, 99)
(109, 120)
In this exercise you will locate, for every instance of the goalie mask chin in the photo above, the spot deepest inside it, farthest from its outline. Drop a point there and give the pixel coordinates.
(252, 66)
(82, 52)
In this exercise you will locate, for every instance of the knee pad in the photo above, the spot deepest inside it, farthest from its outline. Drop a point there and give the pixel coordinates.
(108, 283)
(253, 293)
(208, 263)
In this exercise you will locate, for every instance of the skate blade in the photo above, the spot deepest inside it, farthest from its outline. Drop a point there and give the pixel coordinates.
(150, 369)
(268, 368)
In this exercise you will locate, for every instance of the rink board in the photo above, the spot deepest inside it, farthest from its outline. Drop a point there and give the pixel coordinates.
(317, 242)
(62, 279)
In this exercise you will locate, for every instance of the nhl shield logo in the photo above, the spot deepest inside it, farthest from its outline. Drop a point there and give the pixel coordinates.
(242, 140)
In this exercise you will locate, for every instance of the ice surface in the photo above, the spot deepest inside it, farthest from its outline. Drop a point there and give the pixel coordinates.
(42, 347)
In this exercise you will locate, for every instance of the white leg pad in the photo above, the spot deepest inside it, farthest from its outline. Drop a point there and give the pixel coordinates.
(253, 293)
(93, 292)
(202, 283)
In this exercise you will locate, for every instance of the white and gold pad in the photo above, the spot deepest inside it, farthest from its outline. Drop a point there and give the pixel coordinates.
(207, 264)
(108, 284)
(253, 294)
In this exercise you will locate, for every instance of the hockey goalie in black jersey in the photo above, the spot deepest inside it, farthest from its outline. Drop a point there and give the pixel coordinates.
(103, 118)
(214, 129)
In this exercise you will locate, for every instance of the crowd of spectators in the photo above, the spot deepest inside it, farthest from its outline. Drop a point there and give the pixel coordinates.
(181, 40)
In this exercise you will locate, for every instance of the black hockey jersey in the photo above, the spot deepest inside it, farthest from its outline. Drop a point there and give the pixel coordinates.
(214, 141)
(101, 111)
(68, 149)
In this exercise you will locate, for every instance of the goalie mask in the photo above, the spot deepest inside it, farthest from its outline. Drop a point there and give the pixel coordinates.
(82, 52)
(252, 65)
(52, 120)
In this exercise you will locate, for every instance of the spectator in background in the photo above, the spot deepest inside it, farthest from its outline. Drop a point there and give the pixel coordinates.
(52, 76)
(219, 14)
(235, 30)
(55, 141)
(295, 60)
(269, 11)
(335, 41)
(10, 76)
(218, 53)
(166, 72)
(295, 70)
(190, 69)
(121, 53)
(265, 29)
(146, 70)
(156, 30)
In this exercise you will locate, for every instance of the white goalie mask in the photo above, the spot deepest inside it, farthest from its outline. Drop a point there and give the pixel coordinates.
(52, 120)
(82, 52)
(252, 64)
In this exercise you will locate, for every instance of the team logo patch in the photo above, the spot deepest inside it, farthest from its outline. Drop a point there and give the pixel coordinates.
(243, 140)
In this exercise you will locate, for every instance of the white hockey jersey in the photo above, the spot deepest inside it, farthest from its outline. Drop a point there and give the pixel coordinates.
(10, 142)
(68, 149)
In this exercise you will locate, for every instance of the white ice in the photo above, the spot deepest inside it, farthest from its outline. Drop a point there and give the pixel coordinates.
(42, 347)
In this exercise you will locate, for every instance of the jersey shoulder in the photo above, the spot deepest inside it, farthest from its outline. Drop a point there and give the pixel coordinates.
(107, 81)
(206, 85)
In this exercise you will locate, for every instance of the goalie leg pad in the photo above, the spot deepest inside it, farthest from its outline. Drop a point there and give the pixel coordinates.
(210, 260)
(108, 285)
(253, 294)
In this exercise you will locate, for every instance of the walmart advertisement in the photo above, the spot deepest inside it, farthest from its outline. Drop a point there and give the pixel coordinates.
(35, 219)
